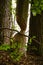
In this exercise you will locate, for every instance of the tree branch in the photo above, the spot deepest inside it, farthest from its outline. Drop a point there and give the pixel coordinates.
(20, 34)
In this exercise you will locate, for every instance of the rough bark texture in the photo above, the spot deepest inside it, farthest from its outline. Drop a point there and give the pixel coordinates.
(22, 13)
(7, 21)
(21, 17)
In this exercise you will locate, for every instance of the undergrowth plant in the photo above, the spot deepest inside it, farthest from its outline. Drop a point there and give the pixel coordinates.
(13, 50)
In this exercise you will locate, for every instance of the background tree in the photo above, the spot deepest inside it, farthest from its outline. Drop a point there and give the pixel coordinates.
(5, 20)
(2, 5)
(41, 36)
(36, 25)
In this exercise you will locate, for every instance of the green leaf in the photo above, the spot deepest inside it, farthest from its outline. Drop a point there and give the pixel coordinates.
(33, 37)
(30, 40)
(34, 13)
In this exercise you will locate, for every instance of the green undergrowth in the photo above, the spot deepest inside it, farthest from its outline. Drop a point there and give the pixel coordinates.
(13, 51)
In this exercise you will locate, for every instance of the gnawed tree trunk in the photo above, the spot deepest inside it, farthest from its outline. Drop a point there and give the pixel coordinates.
(7, 21)
(21, 17)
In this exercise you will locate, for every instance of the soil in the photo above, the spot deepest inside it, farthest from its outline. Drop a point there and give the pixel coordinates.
(29, 59)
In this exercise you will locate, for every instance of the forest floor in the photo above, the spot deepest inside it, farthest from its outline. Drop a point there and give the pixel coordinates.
(26, 60)
(31, 60)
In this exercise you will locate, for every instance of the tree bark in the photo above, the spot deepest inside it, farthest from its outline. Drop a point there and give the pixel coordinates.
(7, 21)
(21, 17)
(2, 5)
(22, 13)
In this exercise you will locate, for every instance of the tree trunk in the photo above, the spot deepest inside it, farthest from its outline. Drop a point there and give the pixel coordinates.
(7, 21)
(22, 13)
(36, 29)
(41, 36)
(2, 5)
(21, 17)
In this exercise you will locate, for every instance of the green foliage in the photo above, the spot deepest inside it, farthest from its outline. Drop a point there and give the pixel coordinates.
(33, 47)
(37, 7)
(30, 40)
(15, 55)
(13, 50)
(4, 47)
